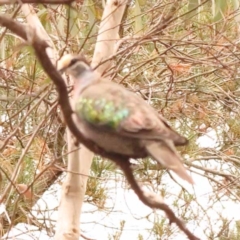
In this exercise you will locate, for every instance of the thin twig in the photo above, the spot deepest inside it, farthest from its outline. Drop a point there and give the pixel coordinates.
(150, 199)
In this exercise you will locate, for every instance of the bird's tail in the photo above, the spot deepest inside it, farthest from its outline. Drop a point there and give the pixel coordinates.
(166, 154)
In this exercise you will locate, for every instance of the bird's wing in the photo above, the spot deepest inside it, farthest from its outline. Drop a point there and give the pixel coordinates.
(112, 107)
(145, 123)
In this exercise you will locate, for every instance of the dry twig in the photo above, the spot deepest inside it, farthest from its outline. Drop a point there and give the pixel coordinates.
(40, 46)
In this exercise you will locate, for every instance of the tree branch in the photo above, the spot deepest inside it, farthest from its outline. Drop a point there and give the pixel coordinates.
(150, 199)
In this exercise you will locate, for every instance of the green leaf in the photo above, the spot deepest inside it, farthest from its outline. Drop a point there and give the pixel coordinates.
(192, 4)
(219, 9)
(142, 2)
(235, 7)
(73, 23)
(138, 25)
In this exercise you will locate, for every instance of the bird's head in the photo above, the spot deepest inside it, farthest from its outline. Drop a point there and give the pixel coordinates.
(74, 65)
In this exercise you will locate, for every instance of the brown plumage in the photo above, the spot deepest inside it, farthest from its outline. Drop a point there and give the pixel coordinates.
(120, 121)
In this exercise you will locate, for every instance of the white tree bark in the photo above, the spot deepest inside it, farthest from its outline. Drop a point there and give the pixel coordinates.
(108, 33)
(70, 206)
(34, 22)
(74, 188)
(80, 160)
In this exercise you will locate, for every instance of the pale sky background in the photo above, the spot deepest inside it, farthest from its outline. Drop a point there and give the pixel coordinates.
(129, 208)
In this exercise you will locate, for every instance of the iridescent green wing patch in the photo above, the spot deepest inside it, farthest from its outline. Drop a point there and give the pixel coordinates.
(101, 112)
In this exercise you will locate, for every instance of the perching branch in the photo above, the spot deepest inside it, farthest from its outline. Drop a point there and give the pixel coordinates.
(40, 46)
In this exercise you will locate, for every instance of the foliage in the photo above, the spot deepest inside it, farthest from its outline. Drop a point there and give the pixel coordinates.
(188, 70)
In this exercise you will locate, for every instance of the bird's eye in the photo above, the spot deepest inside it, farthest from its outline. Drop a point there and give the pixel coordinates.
(73, 61)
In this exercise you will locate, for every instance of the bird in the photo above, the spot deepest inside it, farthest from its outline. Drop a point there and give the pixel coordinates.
(120, 121)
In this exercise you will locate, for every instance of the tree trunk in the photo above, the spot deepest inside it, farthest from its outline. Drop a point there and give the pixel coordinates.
(79, 161)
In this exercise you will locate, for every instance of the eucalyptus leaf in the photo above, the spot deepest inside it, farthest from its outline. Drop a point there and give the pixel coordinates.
(138, 23)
